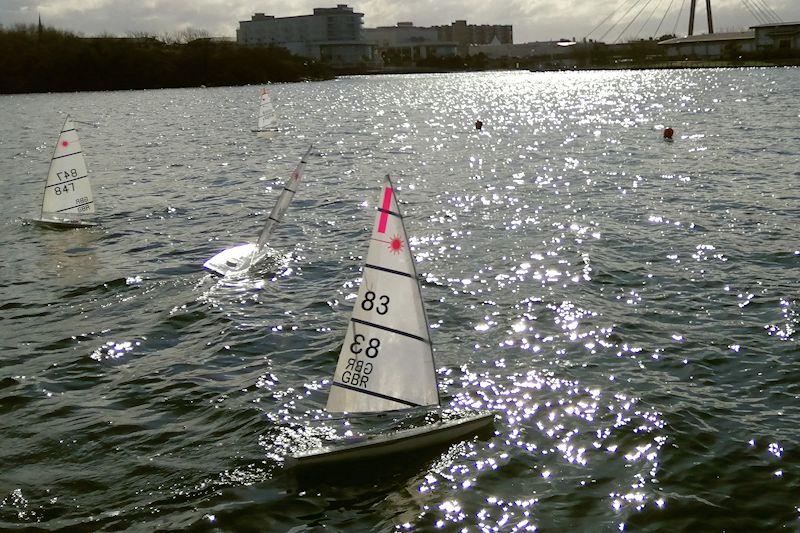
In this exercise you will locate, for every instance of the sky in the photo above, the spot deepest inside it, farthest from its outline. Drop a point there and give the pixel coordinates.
(533, 20)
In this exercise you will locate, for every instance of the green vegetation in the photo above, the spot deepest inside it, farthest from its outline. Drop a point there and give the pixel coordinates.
(47, 60)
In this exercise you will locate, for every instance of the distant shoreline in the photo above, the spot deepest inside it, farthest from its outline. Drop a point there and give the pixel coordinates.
(661, 65)
(44, 60)
(39, 60)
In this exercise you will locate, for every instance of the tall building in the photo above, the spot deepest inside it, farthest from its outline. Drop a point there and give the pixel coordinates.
(466, 34)
(416, 42)
(334, 35)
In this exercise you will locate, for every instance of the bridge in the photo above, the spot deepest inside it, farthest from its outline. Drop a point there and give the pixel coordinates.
(643, 14)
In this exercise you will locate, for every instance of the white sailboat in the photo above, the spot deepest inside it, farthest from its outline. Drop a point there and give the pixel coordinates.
(67, 197)
(267, 121)
(242, 257)
(386, 362)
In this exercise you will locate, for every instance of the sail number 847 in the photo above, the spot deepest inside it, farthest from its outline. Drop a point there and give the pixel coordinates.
(67, 174)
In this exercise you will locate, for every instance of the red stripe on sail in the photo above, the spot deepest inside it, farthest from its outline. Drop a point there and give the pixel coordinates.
(387, 204)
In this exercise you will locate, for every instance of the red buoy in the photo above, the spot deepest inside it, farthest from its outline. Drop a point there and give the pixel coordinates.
(668, 133)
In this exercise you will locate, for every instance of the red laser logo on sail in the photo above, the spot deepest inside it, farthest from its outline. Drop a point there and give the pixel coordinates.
(396, 245)
(64, 143)
(385, 208)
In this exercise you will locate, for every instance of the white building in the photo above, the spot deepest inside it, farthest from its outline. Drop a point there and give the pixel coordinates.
(334, 35)
(410, 42)
(710, 46)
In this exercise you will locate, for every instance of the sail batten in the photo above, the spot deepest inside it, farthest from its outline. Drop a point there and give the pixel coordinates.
(386, 361)
(375, 394)
(389, 270)
(390, 330)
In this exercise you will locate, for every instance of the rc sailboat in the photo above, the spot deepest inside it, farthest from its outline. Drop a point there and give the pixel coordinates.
(386, 362)
(242, 257)
(267, 121)
(67, 197)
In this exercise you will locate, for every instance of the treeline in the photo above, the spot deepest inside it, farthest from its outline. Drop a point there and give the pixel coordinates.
(46, 60)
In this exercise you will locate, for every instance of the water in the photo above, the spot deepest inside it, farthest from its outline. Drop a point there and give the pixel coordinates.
(626, 306)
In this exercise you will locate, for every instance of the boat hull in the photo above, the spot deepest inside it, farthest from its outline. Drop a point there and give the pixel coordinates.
(395, 444)
(265, 134)
(236, 259)
(65, 223)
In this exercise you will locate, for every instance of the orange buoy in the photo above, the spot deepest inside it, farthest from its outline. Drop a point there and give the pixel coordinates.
(668, 133)
(478, 124)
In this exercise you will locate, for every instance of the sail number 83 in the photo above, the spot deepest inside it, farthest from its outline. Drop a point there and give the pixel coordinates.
(370, 351)
(369, 303)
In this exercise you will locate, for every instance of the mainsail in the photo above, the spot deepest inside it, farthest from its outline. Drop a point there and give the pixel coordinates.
(285, 198)
(68, 192)
(266, 113)
(386, 362)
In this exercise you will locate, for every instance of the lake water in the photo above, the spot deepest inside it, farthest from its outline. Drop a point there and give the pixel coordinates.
(628, 307)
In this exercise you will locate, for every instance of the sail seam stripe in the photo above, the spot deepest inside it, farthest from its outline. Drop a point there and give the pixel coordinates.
(67, 155)
(389, 270)
(67, 131)
(70, 181)
(74, 206)
(376, 394)
(390, 330)
(273, 218)
(288, 189)
(382, 210)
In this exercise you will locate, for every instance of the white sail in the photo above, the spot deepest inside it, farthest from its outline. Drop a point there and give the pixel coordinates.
(386, 361)
(68, 191)
(285, 198)
(266, 113)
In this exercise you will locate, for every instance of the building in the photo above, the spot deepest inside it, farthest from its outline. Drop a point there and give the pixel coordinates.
(466, 34)
(765, 39)
(416, 42)
(543, 49)
(406, 43)
(334, 35)
(710, 46)
(782, 36)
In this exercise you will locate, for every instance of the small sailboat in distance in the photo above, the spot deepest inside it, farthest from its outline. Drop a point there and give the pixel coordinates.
(267, 122)
(67, 197)
(242, 257)
(386, 362)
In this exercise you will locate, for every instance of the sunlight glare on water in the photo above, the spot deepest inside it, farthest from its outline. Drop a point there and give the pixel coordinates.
(627, 307)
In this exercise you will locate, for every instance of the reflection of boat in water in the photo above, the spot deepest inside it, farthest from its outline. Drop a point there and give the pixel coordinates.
(67, 197)
(386, 363)
(240, 258)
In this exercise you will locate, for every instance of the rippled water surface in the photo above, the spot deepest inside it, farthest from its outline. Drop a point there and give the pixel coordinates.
(626, 306)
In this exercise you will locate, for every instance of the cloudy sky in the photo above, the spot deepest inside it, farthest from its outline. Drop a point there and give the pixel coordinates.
(532, 19)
